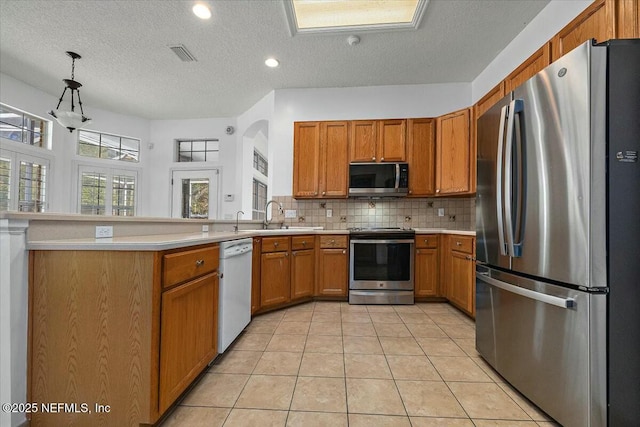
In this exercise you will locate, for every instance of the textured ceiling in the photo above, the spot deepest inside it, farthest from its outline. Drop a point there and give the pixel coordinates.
(127, 67)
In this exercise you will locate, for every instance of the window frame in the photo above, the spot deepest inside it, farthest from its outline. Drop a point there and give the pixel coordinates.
(107, 159)
(110, 171)
(46, 142)
(206, 141)
(16, 157)
(257, 212)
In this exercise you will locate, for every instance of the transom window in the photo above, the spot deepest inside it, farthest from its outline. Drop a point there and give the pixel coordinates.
(260, 163)
(23, 182)
(198, 150)
(107, 146)
(21, 127)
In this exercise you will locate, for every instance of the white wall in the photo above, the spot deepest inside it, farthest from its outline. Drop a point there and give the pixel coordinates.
(541, 29)
(163, 134)
(379, 102)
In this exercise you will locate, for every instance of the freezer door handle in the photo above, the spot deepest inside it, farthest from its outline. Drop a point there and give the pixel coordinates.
(527, 293)
(499, 181)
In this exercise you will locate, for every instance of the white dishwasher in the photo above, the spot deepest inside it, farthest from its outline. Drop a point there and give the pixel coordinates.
(235, 290)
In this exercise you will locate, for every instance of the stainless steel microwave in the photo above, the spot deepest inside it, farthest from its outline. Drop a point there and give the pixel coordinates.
(378, 179)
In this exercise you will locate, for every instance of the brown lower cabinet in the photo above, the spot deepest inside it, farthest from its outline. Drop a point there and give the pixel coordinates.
(275, 288)
(333, 266)
(427, 266)
(127, 329)
(458, 272)
(303, 267)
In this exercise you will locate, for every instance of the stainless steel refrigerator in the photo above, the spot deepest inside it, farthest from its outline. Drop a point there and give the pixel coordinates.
(558, 237)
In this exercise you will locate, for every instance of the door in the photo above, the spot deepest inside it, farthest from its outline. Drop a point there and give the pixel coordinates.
(490, 129)
(194, 193)
(547, 341)
(550, 160)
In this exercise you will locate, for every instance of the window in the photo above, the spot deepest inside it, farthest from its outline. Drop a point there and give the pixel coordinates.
(260, 163)
(107, 191)
(107, 146)
(198, 150)
(259, 199)
(22, 127)
(23, 182)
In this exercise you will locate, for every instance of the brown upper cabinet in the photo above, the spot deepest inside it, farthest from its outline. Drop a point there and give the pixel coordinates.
(320, 159)
(378, 141)
(628, 19)
(529, 68)
(421, 156)
(489, 100)
(596, 22)
(455, 154)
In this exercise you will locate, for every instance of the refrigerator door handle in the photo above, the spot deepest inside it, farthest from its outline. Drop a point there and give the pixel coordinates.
(499, 181)
(520, 189)
(527, 293)
(515, 107)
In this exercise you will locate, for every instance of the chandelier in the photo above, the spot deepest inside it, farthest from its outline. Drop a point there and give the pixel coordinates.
(69, 118)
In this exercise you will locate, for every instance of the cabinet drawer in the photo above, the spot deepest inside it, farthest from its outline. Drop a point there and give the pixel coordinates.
(181, 266)
(461, 244)
(301, 242)
(333, 241)
(427, 241)
(275, 244)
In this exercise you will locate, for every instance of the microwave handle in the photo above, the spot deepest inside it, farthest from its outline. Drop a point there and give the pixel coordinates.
(397, 176)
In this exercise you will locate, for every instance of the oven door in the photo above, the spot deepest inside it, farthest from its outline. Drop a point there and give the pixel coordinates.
(384, 264)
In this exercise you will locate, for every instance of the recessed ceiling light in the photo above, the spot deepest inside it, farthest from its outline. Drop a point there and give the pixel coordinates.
(202, 11)
(272, 62)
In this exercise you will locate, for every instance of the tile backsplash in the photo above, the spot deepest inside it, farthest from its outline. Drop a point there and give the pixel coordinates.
(459, 213)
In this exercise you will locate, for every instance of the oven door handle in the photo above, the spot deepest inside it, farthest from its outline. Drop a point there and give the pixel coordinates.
(382, 241)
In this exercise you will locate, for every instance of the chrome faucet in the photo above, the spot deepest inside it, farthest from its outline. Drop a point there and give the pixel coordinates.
(235, 227)
(266, 221)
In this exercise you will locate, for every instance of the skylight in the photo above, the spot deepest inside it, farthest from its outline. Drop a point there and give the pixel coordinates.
(314, 16)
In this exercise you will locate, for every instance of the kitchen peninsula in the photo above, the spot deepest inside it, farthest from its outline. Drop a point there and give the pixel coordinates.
(107, 317)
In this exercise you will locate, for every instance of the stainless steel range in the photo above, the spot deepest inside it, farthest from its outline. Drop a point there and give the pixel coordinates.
(381, 266)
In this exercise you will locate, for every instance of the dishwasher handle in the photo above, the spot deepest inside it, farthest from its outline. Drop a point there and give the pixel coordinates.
(527, 293)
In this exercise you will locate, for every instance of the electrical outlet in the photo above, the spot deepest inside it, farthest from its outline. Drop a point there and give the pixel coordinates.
(452, 218)
(205, 228)
(104, 231)
(290, 213)
(343, 218)
(329, 213)
(440, 211)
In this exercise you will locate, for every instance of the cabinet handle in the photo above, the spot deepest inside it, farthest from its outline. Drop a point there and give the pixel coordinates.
(324, 192)
(199, 262)
(276, 244)
(458, 244)
(304, 243)
(333, 241)
(315, 194)
(382, 159)
(470, 258)
(286, 254)
(417, 251)
(373, 158)
(426, 240)
(344, 251)
(292, 253)
(410, 191)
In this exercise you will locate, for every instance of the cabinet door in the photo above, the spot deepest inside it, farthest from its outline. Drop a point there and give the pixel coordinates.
(461, 285)
(306, 159)
(334, 165)
(596, 22)
(454, 166)
(333, 272)
(363, 140)
(490, 98)
(421, 150)
(529, 68)
(391, 146)
(256, 258)
(274, 279)
(426, 272)
(188, 335)
(628, 19)
(302, 273)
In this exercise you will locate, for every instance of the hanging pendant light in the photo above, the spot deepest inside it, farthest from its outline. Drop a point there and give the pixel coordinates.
(69, 118)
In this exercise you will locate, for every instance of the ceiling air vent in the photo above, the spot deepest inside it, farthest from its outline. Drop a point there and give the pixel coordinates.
(181, 51)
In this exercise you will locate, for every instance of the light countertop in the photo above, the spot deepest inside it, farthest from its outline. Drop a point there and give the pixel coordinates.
(159, 242)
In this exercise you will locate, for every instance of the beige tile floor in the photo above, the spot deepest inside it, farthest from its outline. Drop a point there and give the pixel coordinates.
(332, 364)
